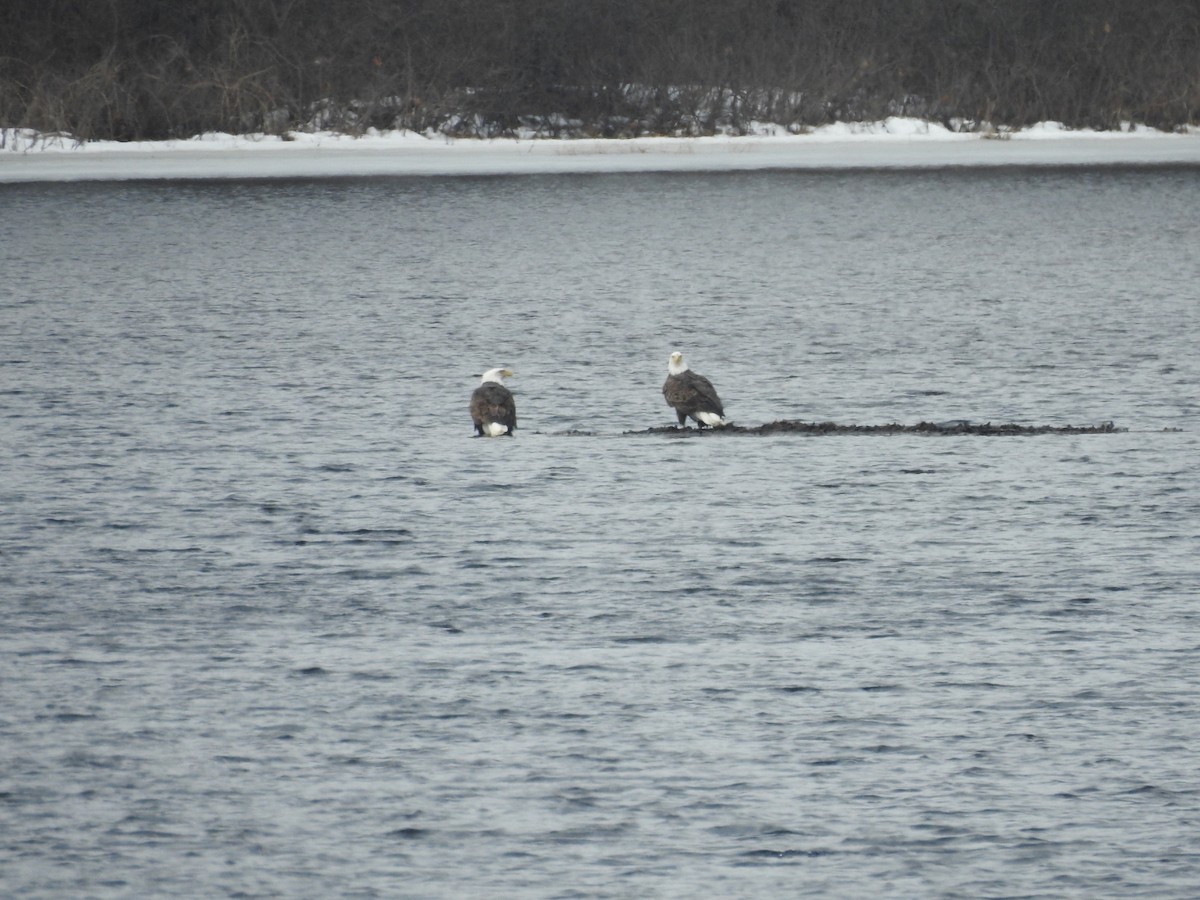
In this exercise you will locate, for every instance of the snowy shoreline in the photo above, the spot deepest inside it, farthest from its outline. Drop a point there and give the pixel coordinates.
(892, 144)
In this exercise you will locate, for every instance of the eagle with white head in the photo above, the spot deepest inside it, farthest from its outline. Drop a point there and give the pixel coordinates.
(493, 409)
(692, 395)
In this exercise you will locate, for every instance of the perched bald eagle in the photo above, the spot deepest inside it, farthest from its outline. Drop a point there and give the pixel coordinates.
(492, 408)
(692, 395)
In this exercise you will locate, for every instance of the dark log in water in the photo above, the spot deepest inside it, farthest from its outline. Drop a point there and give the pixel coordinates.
(955, 427)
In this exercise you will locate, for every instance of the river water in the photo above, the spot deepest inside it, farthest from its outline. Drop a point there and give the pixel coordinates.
(276, 625)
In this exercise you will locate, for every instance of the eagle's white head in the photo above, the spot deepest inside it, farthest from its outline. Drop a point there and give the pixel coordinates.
(496, 375)
(676, 365)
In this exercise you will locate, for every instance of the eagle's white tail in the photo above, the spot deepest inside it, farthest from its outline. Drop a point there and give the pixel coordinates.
(709, 418)
(494, 429)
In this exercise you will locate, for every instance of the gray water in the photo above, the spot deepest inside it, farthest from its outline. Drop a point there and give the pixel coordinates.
(276, 625)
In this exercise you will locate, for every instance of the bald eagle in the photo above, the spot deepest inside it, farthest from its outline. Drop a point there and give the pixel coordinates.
(492, 408)
(692, 395)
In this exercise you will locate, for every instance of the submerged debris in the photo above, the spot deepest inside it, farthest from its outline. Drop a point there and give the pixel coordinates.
(956, 427)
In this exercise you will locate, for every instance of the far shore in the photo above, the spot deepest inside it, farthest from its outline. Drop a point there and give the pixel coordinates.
(893, 144)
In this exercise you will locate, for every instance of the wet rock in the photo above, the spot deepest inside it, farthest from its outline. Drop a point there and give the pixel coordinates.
(960, 426)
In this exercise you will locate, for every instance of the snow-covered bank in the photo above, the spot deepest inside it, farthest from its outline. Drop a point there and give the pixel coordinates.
(895, 143)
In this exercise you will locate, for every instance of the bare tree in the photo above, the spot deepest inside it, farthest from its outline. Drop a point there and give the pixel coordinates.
(135, 69)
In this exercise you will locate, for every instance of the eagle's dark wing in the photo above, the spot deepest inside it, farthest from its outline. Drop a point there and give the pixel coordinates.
(690, 393)
(493, 402)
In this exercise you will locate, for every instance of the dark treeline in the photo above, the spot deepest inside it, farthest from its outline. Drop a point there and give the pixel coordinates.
(140, 69)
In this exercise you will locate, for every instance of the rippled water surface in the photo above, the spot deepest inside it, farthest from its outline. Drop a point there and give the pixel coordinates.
(275, 625)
